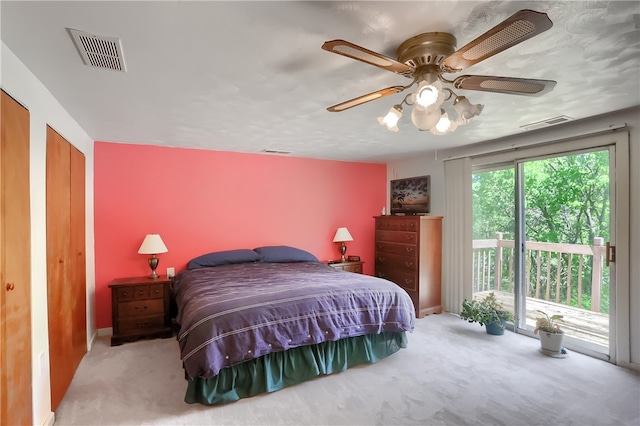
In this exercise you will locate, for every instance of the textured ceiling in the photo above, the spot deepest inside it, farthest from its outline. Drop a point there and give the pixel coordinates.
(248, 76)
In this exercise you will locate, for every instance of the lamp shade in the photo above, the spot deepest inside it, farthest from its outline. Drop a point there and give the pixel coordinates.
(342, 234)
(152, 244)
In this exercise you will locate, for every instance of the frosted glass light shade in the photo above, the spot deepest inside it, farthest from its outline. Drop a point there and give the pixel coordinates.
(391, 119)
(152, 244)
(466, 111)
(429, 96)
(424, 120)
(342, 234)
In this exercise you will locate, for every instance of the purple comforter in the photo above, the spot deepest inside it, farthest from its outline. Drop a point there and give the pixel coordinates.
(233, 313)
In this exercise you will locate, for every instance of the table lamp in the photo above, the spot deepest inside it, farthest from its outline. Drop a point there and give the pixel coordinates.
(153, 245)
(342, 235)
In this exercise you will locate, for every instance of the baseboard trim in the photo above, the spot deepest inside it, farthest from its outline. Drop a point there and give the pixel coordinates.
(630, 365)
(50, 420)
(91, 342)
(105, 331)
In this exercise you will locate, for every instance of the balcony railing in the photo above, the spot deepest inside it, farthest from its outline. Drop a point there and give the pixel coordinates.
(569, 274)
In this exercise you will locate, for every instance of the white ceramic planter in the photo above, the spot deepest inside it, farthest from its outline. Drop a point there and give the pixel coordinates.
(551, 341)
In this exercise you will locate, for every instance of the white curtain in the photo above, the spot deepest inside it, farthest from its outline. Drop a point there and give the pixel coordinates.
(457, 265)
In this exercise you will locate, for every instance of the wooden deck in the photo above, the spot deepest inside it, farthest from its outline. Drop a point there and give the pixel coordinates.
(581, 324)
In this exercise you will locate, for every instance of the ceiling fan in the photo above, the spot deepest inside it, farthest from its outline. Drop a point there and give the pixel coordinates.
(426, 57)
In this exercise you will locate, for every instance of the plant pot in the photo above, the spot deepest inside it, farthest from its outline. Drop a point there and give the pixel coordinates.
(551, 342)
(495, 328)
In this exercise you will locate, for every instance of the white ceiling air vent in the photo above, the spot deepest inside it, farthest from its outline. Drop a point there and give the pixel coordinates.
(99, 51)
(548, 122)
(275, 151)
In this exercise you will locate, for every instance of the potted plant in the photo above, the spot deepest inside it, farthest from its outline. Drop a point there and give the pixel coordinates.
(487, 312)
(550, 332)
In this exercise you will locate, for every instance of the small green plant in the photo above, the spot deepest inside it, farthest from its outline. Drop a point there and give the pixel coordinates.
(548, 323)
(485, 311)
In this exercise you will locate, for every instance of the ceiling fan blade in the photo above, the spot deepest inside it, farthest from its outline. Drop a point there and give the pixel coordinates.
(519, 27)
(509, 85)
(354, 51)
(366, 98)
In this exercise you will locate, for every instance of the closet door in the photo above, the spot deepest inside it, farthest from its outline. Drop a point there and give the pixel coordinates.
(78, 257)
(66, 269)
(59, 272)
(15, 264)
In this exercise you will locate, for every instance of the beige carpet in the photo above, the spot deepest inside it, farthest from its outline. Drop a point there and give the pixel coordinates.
(452, 373)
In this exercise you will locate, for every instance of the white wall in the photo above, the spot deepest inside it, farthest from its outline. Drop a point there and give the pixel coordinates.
(428, 164)
(22, 85)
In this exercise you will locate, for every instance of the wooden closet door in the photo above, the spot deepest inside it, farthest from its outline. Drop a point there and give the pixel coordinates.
(15, 265)
(78, 257)
(59, 278)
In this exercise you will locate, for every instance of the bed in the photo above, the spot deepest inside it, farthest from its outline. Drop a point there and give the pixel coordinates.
(255, 321)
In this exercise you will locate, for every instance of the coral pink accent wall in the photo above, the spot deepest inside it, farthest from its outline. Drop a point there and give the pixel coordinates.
(201, 201)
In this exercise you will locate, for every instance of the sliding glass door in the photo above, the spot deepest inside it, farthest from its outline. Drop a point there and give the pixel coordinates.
(540, 228)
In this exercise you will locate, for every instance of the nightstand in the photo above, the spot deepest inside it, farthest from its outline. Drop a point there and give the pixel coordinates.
(346, 266)
(140, 308)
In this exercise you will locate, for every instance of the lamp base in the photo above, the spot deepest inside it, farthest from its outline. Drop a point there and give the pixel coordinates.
(343, 250)
(153, 264)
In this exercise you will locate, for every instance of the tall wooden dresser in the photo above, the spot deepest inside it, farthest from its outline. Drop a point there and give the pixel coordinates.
(409, 252)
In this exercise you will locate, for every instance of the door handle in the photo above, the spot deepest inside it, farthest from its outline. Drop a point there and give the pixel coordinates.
(610, 254)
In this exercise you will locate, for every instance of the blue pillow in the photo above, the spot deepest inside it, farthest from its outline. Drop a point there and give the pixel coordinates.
(223, 258)
(281, 254)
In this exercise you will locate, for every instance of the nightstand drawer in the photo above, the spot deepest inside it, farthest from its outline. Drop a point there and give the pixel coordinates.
(124, 294)
(141, 324)
(353, 266)
(140, 308)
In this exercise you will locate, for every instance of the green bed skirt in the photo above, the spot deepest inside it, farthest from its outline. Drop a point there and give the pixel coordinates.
(277, 370)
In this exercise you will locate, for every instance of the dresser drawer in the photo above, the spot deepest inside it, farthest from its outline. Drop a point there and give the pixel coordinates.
(404, 237)
(141, 324)
(397, 224)
(396, 248)
(406, 280)
(394, 261)
(140, 308)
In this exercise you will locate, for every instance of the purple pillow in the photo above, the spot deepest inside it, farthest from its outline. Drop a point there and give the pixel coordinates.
(281, 254)
(223, 258)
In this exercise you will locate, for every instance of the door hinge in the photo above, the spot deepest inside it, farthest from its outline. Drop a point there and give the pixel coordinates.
(610, 253)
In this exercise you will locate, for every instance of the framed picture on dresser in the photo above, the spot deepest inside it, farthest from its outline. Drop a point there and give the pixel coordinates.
(411, 196)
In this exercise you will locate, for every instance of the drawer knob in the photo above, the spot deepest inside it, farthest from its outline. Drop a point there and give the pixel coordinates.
(409, 249)
(141, 293)
(124, 293)
(10, 286)
(408, 264)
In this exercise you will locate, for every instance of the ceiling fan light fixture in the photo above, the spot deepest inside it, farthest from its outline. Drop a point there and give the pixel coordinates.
(466, 111)
(391, 119)
(427, 56)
